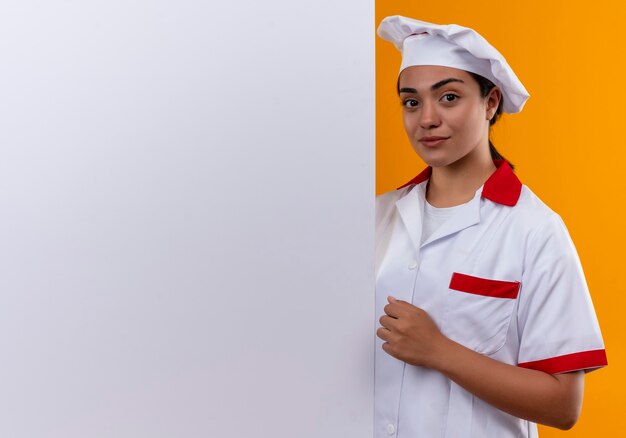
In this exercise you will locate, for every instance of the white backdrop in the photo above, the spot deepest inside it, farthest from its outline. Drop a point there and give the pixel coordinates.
(186, 218)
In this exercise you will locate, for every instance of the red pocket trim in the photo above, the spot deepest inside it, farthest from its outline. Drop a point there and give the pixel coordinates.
(484, 286)
(584, 360)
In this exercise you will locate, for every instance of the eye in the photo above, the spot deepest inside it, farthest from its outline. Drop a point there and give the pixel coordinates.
(449, 97)
(410, 103)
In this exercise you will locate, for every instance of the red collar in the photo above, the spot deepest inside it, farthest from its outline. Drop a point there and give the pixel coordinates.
(502, 187)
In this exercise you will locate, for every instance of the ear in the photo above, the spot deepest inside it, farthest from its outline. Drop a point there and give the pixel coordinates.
(493, 100)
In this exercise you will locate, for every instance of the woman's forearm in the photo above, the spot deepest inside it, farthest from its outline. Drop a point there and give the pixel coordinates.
(411, 335)
(553, 400)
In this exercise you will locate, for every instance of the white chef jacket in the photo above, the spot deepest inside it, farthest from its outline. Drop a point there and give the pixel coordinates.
(501, 277)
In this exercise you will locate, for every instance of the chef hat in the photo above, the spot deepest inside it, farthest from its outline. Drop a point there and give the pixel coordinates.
(423, 43)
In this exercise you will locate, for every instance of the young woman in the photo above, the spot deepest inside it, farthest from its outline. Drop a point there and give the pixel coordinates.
(486, 324)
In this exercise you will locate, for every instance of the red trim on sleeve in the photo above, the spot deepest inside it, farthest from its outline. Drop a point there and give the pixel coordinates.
(484, 286)
(569, 362)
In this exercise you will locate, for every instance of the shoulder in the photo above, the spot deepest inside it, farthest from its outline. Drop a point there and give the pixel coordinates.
(529, 224)
(544, 228)
(531, 211)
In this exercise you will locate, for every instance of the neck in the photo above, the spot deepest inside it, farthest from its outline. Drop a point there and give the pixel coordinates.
(457, 182)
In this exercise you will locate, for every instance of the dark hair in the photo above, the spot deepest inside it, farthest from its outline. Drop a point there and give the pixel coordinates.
(485, 86)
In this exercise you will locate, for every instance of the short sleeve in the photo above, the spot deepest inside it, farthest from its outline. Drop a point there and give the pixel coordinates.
(557, 324)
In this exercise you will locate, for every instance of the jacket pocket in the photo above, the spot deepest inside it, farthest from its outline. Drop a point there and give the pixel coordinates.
(478, 311)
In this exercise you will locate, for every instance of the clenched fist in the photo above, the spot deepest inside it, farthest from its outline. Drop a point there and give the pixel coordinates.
(410, 334)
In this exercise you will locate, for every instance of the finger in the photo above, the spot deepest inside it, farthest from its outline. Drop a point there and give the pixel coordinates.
(405, 305)
(405, 309)
(388, 349)
(383, 334)
(395, 310)
(393, 300)
(401, 303)
(388, 322)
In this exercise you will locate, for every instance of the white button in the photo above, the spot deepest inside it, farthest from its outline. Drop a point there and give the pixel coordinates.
(391, 429)
(413, 265)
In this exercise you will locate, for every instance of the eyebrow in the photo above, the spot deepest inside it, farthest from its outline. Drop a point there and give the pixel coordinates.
(433, 87)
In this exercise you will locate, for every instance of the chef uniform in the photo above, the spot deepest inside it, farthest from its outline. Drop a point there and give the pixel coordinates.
(501, 276)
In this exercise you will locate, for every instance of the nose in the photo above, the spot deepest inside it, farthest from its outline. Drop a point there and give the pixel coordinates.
(429, 116)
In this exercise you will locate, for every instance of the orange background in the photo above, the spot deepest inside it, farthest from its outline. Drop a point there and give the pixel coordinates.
(567, 145)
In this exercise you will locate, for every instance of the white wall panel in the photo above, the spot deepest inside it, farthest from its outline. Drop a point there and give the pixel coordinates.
(186, 203)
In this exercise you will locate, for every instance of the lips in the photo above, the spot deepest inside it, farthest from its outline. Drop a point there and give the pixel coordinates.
(432, 141)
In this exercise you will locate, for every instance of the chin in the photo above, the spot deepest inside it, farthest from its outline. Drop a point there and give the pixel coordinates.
(432, 157)
(434, 161)
(437, 163)
(438, 158)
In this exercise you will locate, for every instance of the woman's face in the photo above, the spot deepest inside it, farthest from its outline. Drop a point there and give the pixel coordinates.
(444, 115)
